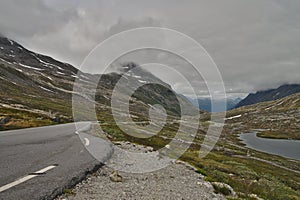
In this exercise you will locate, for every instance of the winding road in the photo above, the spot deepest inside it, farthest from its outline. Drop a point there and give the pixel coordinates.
(39, 163)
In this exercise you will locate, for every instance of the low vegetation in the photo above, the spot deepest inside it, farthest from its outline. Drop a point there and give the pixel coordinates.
(229, 162)
(245, 175)
(15, 119)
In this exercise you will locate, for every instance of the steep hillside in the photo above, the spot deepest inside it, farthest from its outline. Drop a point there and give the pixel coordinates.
(269, 95)
(276, 119)
(37, 89)
(37, 85)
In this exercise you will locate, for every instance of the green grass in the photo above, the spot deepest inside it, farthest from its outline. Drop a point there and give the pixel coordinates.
(201, 171)
(69, 192)
(279, 135)
(246, 176)
(22, 119)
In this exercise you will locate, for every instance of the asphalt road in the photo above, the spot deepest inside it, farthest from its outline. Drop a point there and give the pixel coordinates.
(39, 163)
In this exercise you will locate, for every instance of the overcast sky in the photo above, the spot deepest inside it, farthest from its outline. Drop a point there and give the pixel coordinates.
(255, 43)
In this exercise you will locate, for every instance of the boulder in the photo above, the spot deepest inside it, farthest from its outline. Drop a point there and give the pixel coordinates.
(223, 188)
(56, 119)
(4, 120)
(116, 177)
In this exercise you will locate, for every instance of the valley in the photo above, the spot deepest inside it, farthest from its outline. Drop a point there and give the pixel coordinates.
(37, 90)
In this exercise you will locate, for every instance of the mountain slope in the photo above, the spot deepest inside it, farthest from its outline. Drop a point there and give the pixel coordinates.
(37, 85)
(41, 88)
(269, 95)
(278, 119)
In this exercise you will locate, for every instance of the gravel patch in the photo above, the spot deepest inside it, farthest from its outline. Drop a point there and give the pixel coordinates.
(176, 181)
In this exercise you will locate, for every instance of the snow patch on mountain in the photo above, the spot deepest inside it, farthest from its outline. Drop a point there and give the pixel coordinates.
(6, 61)
(46, 63)
(141, 81)
(29, 67)
(234, 117)
(58, 72)
(46, 89)
(11, 42)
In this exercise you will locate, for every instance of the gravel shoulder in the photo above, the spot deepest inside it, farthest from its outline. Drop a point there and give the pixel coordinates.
(176, 181)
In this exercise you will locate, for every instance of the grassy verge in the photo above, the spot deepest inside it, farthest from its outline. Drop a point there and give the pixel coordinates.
(246, 176)
(17, 119)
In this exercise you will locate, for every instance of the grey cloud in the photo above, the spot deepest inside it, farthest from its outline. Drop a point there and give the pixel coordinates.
(27, 18)
(255, 43)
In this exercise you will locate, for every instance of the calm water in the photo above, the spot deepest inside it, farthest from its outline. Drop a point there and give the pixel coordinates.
(285, 148)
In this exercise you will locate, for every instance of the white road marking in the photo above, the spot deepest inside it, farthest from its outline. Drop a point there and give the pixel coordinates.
(87, 142)
(26, 178)
(46, 169)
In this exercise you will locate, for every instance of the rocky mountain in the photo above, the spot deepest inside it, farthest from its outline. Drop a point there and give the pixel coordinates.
(34, 82)
(37, 89)
(269, 95)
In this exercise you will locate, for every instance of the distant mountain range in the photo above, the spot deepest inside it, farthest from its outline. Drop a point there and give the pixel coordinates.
(205, 104)
(253, 98)
(269, 95)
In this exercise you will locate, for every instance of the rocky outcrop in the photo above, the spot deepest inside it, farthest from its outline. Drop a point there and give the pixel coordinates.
(4, 120)
(223, 188)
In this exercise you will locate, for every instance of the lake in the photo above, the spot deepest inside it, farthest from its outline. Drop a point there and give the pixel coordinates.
(285, 148)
